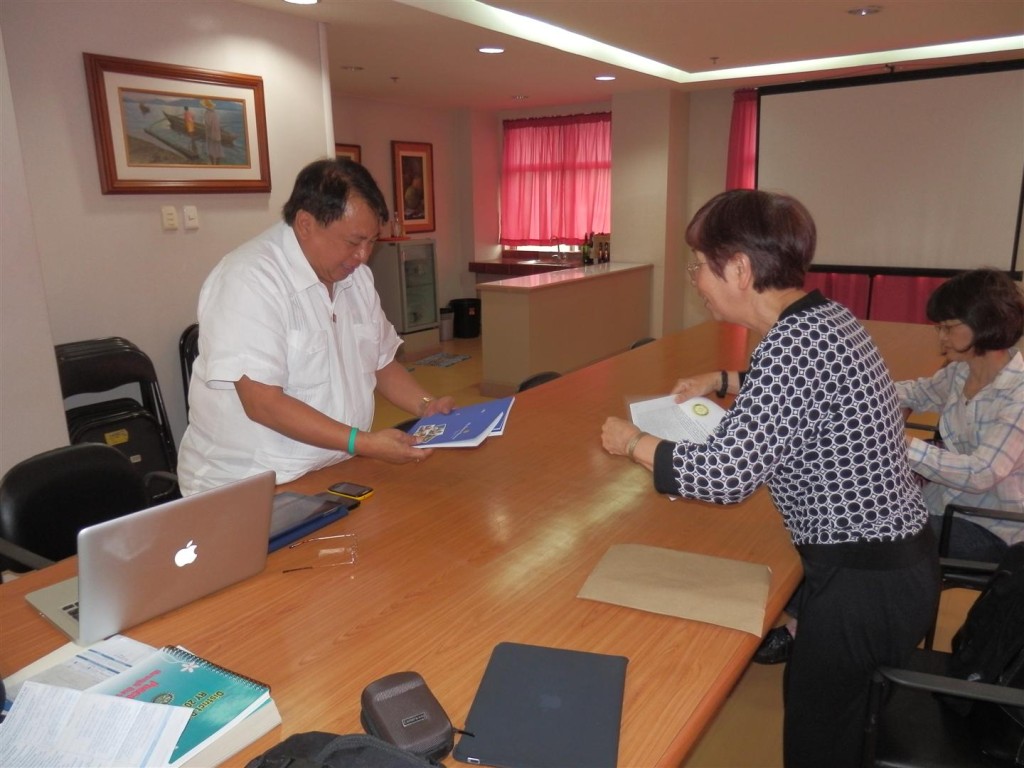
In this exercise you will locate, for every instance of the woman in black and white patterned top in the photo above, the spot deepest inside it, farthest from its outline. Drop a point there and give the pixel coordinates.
(816, 420)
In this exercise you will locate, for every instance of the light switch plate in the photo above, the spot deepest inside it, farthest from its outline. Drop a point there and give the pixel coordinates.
(191, 216)
(169, 217)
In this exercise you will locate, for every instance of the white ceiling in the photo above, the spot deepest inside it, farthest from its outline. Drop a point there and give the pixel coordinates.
(412, 51)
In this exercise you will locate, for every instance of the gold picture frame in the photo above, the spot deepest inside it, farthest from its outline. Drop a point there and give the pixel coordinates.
(413, 169)
(163, 128)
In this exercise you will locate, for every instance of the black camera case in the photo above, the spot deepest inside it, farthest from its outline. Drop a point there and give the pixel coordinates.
(401, 710)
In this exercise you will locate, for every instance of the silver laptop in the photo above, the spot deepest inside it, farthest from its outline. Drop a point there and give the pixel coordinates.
(144, 564)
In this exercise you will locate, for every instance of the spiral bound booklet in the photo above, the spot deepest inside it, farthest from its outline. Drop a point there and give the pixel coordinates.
(221, 700)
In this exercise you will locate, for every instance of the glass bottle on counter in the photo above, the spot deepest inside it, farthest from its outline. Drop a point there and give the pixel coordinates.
(587, 249)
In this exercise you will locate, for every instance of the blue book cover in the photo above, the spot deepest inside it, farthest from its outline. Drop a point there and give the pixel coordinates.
(219, 698)
(464, 427)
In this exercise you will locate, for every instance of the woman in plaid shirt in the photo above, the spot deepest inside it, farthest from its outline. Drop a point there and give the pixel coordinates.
(979, 395)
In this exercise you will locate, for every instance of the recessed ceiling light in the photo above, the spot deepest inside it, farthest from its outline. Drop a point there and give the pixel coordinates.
(302, 2)
(605, 77)
(491, 49)
(867, 10)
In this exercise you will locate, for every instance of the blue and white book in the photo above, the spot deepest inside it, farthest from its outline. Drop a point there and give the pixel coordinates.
(464, 427)
(222, 702)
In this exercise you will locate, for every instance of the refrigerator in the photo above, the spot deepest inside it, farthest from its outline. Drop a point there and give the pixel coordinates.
(405, 275)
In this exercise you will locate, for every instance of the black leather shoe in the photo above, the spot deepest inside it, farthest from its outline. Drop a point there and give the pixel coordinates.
(775, 647)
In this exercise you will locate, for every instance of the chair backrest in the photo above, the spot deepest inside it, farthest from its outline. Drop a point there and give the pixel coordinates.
(47, 499)
(188, 351)
(537, 379)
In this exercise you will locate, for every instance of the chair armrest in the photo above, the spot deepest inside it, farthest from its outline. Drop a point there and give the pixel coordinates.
(953, 686)
(25, 557)
(995, 514)
(160, 486)
(951, 509)
(980, 567)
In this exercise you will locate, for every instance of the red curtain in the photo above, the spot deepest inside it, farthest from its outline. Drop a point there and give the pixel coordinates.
(740, 173)
(556, 179)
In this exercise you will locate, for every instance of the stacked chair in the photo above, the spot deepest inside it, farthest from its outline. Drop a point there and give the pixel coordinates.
(137, 427)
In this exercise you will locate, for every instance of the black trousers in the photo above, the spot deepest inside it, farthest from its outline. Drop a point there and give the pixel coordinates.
(861, 606)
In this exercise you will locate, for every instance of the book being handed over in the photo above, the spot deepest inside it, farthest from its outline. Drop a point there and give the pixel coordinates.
(691, 421)
(464, 427)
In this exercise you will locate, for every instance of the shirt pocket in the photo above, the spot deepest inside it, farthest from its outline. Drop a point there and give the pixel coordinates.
(367, 347)
(309, 360)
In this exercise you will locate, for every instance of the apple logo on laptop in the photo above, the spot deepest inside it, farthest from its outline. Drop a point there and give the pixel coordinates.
(185, 555)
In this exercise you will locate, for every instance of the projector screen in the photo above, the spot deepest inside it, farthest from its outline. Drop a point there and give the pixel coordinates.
(916, 173)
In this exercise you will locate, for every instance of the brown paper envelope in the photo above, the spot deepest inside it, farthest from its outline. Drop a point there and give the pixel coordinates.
(729, 593)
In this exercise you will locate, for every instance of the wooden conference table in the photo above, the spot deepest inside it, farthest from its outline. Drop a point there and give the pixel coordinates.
(478, 546)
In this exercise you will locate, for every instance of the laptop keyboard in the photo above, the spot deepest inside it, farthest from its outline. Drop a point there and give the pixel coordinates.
(71, 609)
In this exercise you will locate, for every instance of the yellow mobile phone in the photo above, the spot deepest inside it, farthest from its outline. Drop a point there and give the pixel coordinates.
(352, 491)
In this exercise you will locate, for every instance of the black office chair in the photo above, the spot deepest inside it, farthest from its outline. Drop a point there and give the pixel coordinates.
(964, 708)
(965, 574)
(45, 500)
(188, 351)
(641, 342)
(537, 379)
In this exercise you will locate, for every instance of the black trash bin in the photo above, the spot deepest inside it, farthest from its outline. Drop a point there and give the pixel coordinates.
(467, 318)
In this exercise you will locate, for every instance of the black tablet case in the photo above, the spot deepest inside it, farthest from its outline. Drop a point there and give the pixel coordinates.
(543, 707)
(297, 515)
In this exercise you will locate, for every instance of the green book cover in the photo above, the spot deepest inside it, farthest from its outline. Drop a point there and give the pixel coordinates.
(218, 697)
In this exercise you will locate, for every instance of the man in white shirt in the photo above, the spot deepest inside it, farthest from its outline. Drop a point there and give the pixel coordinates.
(293, 343)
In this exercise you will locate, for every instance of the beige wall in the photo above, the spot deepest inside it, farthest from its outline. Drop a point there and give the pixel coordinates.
(106, 266)
(31, 414)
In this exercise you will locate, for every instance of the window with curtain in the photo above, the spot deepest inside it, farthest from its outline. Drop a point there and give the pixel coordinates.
(742, 164)
(556, 179)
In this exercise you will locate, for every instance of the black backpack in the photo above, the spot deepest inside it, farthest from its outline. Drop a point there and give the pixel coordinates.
(992, 635)
(989, 648)
(329, 750)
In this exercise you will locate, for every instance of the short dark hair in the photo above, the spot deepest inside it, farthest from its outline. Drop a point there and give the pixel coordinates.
(986, 300)
(776, 231)
(323, 189)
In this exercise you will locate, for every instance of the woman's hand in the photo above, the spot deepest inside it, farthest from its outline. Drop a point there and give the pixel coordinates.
(697, 386)
(616, 434)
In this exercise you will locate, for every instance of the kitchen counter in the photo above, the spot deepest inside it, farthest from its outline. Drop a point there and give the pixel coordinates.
(516, 267)
(560, 320)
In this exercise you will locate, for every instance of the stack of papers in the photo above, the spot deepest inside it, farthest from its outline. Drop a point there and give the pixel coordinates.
(63, 714)
(691, 421)
(464, 427)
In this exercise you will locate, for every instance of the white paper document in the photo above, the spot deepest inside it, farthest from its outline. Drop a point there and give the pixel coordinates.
(51, 727)
(691, 421)
(72, 666)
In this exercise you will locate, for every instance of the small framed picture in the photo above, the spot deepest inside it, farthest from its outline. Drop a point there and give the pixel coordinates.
(351, 152)
(413, 167)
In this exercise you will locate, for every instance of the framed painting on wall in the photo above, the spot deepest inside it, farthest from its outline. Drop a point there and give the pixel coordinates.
(351, 152)
(162, 128)
(413, 168)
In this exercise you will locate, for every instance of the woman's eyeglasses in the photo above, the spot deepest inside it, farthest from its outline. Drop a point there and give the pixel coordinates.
(693, 267)
(946, 327)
